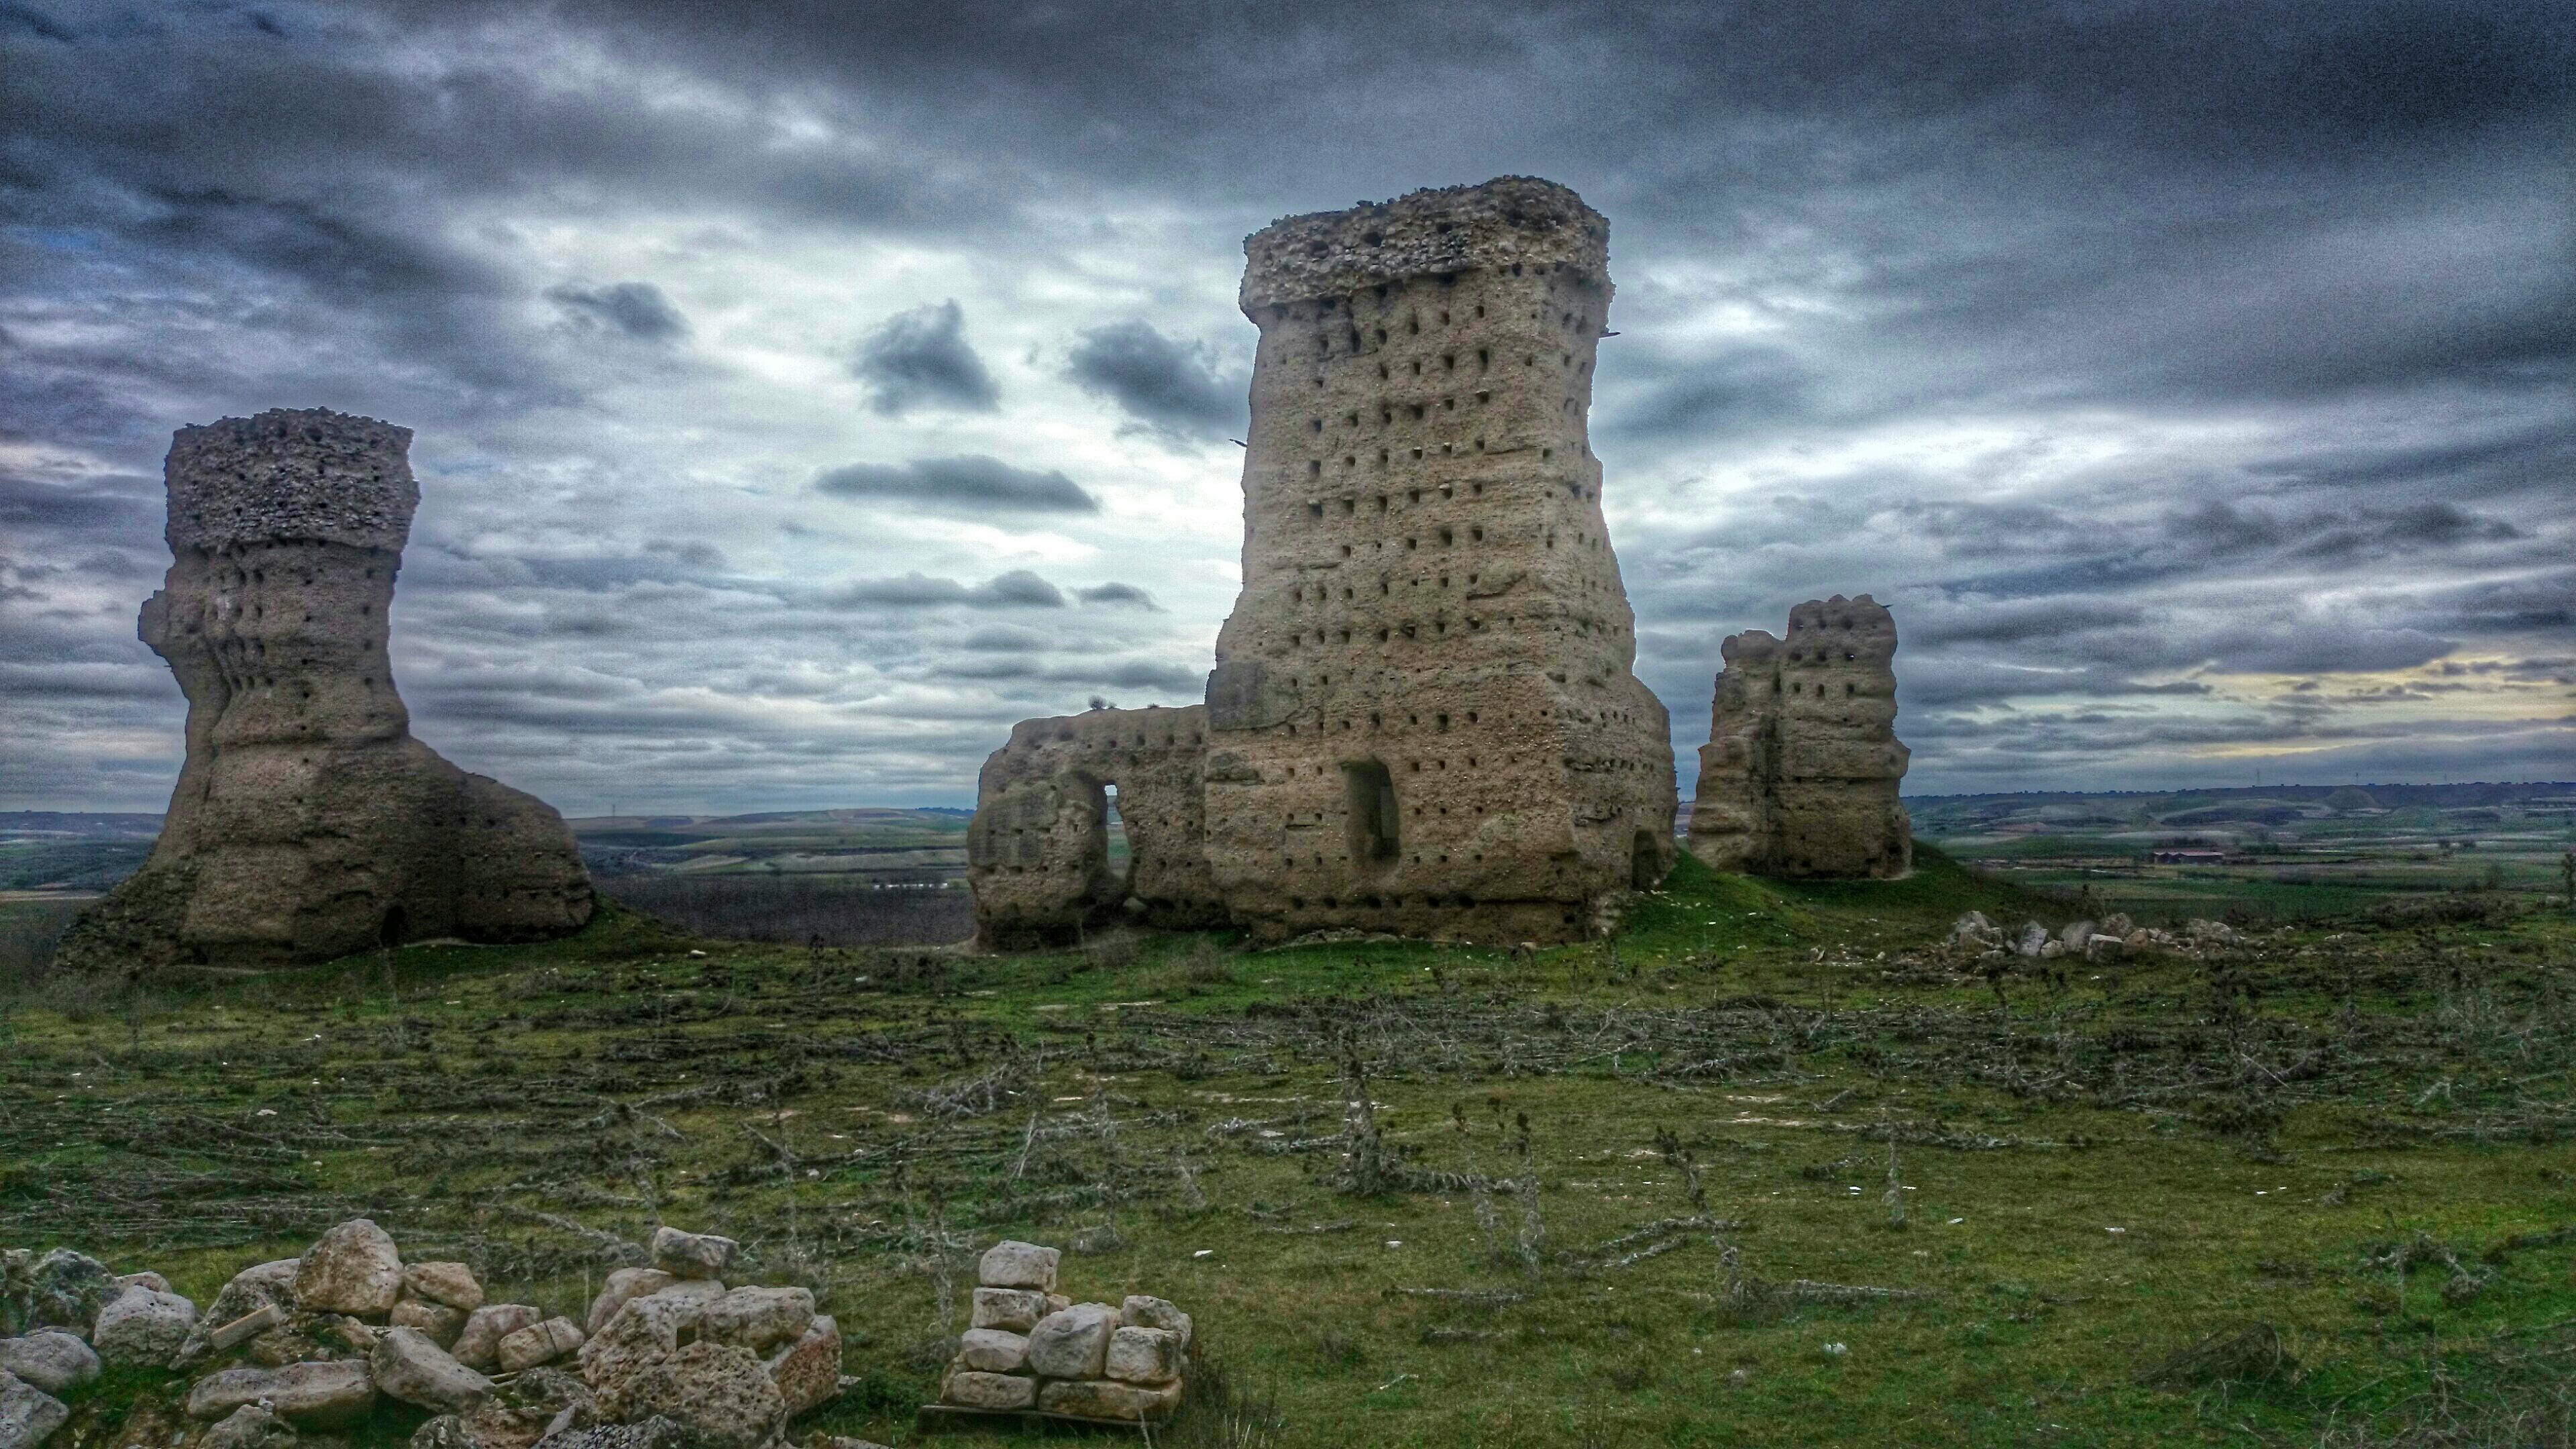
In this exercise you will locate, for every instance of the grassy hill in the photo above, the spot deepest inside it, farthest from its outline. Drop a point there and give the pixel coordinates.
(1645, 1190)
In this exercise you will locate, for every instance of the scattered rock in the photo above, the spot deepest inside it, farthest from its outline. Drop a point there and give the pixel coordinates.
(409, 1367)
(2033, 936)
(143, 1326)
(249, 1427)
(50, 1360)
(720, 1394)
(1010, 1264)
(153, 1281)
(1072, 1343)
(808, 1371)
(1144, 1356)
(617, 1359)
(486, 1326)
(495, 1425)
(225, 1323)
(622, 1285)
(308, 1395)
(443, 1324)
(977, 1390)
(1013, 1310)
(758, 1319)
(1105, 1399)
(28, 1415)
(66, 1290)
(692, 1255)
(536, 1344)
(993, 1351)
(449, 1283)
(354, 1268)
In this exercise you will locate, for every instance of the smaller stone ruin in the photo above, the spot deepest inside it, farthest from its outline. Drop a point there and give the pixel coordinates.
(1800, 772)
(307, 822)
(1033, 1351)
(1038, 846)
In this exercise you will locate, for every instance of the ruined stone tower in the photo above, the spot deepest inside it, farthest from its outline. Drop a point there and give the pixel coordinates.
(1799, 776)
(307, 822)
(1422, 718)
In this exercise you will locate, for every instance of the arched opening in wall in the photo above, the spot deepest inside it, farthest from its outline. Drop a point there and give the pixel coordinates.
(394, 929)
(1377, 836)
(1645, 862)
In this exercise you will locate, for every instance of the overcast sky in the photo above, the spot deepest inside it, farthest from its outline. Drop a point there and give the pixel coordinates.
(806, 391)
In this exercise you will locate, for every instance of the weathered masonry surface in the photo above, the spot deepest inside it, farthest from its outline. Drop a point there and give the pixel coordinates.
(1800, 774)
(1422, 718)
(307, 822)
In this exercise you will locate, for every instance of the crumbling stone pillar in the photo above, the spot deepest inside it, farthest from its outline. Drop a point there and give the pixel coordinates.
(1800, 774)
(307, 822)
(1423, 717)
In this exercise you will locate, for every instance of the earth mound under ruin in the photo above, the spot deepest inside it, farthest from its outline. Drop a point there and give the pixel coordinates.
(1423, 718)
(1799, 775)
(307, 822)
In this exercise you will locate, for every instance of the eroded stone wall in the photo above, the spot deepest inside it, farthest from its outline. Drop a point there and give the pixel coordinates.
(1800, 774)
(1423, 718)
(1037, 851)
(307, 822)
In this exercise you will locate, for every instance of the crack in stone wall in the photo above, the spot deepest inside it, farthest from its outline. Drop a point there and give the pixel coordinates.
(1423, 717)
(1800, 774)
(307, 822)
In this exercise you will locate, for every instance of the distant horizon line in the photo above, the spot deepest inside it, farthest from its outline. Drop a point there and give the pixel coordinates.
(719, 814)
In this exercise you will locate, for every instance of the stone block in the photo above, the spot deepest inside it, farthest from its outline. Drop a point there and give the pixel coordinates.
(141, 1326)
(977, 1390)
(406, 1365)
(1144, 1356)
(308, 1395)
(993, 1351)
(51, 1360)
(443, 1325)
(449, 1283)
(353, 1268)
(808, 1371)
(692, 1255)
(539, 1343)
(759, 1319)
(478, 1344)
(1010, 1264)
(1109, 1399)
(623, 1284)
(1016, 1310)
(1072, 1343)
(1144, 1311)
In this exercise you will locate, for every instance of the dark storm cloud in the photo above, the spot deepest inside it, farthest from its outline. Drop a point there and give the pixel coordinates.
(1165, 385)
(1118, 594)
(1017, 589)
(921, 358)
(636, 309)
(1731, 391)
(971, 484)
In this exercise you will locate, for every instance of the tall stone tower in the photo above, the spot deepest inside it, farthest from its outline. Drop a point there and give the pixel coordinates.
(1422, 717)
(307, 822)
(1799, 776)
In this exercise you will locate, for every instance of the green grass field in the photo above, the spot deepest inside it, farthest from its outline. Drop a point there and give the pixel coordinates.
(1642, 1191)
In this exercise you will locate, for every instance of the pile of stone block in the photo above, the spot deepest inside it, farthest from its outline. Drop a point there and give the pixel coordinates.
(670, 1357)
(1031, 1350)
